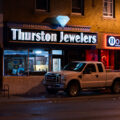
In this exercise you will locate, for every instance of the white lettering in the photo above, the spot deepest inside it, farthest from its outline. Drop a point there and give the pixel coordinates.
(94, 39)
(72, 38)
(14, 32)
(33, 36)
(82, 38)
(77, 38)
(42, 35)
(47, 37)
(18, 34)
(38, 37)
(61, 36)
(90, 38)
(86, 39)
(66, 38)
(54, 37)
(27, 36)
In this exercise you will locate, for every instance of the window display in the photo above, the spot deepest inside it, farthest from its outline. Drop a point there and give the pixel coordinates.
(15, 62)
(38, 60)
(25, 62)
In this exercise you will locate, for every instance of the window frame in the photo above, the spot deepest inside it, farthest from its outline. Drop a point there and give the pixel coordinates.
(81, 12)
(110, 12)
(88, 68)
(25, 63)
(99, 66)
(43, 10)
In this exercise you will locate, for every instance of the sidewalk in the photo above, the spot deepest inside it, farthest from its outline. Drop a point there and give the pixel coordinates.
(19, 99)
(56, 98)
(43, 97)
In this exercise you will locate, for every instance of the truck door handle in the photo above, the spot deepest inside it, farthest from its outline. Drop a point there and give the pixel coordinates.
(97, 76)
(80, 76)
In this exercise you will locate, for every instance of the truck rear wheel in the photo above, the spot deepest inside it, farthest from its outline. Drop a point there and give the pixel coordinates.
(73, 89)
(116, 87)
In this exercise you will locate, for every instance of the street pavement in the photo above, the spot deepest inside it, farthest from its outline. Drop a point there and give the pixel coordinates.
(45, 97)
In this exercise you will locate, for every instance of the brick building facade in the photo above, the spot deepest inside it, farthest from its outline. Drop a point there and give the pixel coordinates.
(25, 22)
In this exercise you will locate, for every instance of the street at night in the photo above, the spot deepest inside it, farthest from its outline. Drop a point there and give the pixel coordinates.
(84, 107)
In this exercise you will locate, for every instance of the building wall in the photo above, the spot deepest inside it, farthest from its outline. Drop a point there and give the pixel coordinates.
(29, 85)
(23, 11)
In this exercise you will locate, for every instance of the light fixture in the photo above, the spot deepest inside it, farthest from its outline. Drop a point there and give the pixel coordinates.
(38, 52)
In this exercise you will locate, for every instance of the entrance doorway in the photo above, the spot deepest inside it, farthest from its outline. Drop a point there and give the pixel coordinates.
(56, 62)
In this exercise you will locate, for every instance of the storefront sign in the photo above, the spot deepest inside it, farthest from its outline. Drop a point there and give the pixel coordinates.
(111, 41)
(52, 36)
(114, 41)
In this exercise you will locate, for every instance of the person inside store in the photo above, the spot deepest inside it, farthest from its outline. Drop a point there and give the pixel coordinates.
(20, 70)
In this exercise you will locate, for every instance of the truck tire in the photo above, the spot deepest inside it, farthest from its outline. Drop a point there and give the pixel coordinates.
(73, 89)
(116, 87)
(51, 91)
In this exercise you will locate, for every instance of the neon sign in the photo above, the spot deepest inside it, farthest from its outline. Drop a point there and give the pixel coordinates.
(111, 41)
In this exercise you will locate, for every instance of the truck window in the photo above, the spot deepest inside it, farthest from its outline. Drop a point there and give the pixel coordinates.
(100, 68)
(75, 66)
(90, 68)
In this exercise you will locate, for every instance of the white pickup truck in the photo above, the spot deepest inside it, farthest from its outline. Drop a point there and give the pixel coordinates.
(80, 75)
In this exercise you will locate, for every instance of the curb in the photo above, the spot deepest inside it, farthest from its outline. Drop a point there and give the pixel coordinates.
(65, 99)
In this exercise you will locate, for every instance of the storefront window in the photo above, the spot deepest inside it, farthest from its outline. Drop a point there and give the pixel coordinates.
(15, 62)
(91, 55)
(25, 62)
(38, 60)
(105, 58)
(57, 52)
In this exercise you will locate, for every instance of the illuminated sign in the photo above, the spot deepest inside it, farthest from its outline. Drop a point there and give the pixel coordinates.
(47, 36)
(63, 20)
(113, 41)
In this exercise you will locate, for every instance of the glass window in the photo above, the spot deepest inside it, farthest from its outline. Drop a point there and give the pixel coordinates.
(75, 66)
(90, 68)
(24, 62)
(56, 64)
(78, 6)
(108, 8)
(42, 5)
(100, 68)
(15, 62)
(56, 52)
(38, 61)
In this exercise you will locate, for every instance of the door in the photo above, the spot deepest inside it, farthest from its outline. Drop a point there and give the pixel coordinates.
(90, 76)
(56, 64)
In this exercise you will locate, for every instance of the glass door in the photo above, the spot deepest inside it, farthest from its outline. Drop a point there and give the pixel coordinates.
(56, 64)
